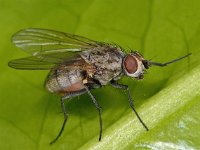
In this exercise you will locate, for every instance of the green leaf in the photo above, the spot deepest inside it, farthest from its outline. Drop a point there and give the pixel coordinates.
(167, 99)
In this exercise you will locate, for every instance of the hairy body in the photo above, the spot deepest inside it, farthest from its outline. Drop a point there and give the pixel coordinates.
(91, 65)
(96, 66)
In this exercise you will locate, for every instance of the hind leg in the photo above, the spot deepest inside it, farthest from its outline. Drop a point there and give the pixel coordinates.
(63, 99)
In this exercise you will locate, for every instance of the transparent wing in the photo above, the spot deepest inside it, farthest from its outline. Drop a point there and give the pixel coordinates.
(30, 63)
(37, 41)
(41, 62)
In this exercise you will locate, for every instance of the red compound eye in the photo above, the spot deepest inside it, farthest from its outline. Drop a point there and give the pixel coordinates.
(130, 64)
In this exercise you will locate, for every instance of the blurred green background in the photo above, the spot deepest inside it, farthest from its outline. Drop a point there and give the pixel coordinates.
(167, 99)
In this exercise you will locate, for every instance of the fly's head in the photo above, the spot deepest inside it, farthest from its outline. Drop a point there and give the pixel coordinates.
(134, 65)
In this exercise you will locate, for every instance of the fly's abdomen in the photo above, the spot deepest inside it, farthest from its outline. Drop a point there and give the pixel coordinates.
(64, 81)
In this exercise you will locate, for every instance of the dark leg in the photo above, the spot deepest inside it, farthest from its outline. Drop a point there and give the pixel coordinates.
(125, 87)
(66, 97)
(98, 108)
(93, 84)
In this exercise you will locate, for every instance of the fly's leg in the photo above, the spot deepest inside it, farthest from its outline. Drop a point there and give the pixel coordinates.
(93, 84)
(125, 87)
(98, 108)
(66, 97)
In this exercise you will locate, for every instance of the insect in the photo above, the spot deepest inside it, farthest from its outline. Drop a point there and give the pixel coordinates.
(78, 65)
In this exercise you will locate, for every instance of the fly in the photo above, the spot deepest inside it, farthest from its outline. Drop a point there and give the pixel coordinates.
(77, 65)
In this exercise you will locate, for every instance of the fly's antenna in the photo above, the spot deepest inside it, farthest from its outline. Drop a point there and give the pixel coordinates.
(148, 64)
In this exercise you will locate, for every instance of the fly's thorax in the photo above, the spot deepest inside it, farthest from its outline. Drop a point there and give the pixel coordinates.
(107, 61)
(133, 65)
(61, 80)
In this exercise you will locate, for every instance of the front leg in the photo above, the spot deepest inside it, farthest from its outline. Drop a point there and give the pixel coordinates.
(125, 87)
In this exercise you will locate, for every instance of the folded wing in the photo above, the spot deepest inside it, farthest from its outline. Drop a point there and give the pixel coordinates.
(48, 48)
(44, 41)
